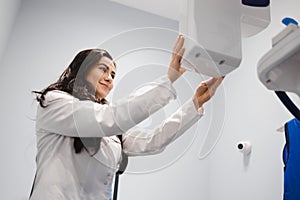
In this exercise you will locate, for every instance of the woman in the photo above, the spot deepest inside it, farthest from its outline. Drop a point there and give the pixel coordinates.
(81, 138)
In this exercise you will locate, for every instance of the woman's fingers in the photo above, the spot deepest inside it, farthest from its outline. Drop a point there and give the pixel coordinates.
(206, 90)
(211, 81)
(181, 52)
(178, 44)
(202, 88)
(175, 44)
(214, 84)
(213, 87)
(175, 69)
(178, 56)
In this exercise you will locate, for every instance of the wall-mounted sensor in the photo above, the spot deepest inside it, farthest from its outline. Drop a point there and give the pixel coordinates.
(244, 147)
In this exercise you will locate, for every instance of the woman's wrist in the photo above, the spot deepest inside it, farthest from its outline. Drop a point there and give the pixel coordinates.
(173, 75)
(197, 104)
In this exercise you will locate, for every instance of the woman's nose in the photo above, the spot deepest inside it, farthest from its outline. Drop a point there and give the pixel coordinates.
(108, 78)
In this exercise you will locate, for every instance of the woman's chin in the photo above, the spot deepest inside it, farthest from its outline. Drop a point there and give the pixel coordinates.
(101, 95)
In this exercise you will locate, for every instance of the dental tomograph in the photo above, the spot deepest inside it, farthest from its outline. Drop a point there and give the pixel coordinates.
(279, 68)
(213, 29)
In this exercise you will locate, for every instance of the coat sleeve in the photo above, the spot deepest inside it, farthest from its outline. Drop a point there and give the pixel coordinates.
(69, 116)
(146, 142)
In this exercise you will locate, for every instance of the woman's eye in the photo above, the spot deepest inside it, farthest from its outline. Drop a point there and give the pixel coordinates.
(112, 76)
(102, 68)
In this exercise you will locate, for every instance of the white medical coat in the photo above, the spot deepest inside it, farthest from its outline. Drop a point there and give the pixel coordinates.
(64, 175)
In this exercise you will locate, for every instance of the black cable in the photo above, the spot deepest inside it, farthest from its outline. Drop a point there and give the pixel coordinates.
(285, 99)
(121, 170)
(116, 187)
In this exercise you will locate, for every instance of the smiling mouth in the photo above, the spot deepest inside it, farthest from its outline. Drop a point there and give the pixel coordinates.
(104, 85)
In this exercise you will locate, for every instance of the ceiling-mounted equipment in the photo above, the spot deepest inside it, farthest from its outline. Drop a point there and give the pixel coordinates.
(279, 68)
(213, 29)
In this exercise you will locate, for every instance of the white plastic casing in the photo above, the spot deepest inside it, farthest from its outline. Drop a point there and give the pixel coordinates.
(213, 30)
(279, 69)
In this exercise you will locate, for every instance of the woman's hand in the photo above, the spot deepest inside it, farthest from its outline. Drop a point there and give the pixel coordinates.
(175, 70)
(205, 91)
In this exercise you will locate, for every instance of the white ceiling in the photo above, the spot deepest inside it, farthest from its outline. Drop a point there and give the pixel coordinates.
(165, 8)
(9, 10)
(253, 19)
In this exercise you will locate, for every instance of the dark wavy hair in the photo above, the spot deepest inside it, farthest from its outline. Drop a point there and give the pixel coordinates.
(73, 81)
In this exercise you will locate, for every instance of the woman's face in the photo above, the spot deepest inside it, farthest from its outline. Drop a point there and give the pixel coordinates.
(101, 77)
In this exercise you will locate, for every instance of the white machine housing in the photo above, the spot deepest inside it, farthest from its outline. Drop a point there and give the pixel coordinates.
(213, 36)
(279, 69)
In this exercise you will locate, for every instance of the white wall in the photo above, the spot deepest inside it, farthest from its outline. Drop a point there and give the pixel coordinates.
(8, 11)
(252, 113)
(46, 36)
